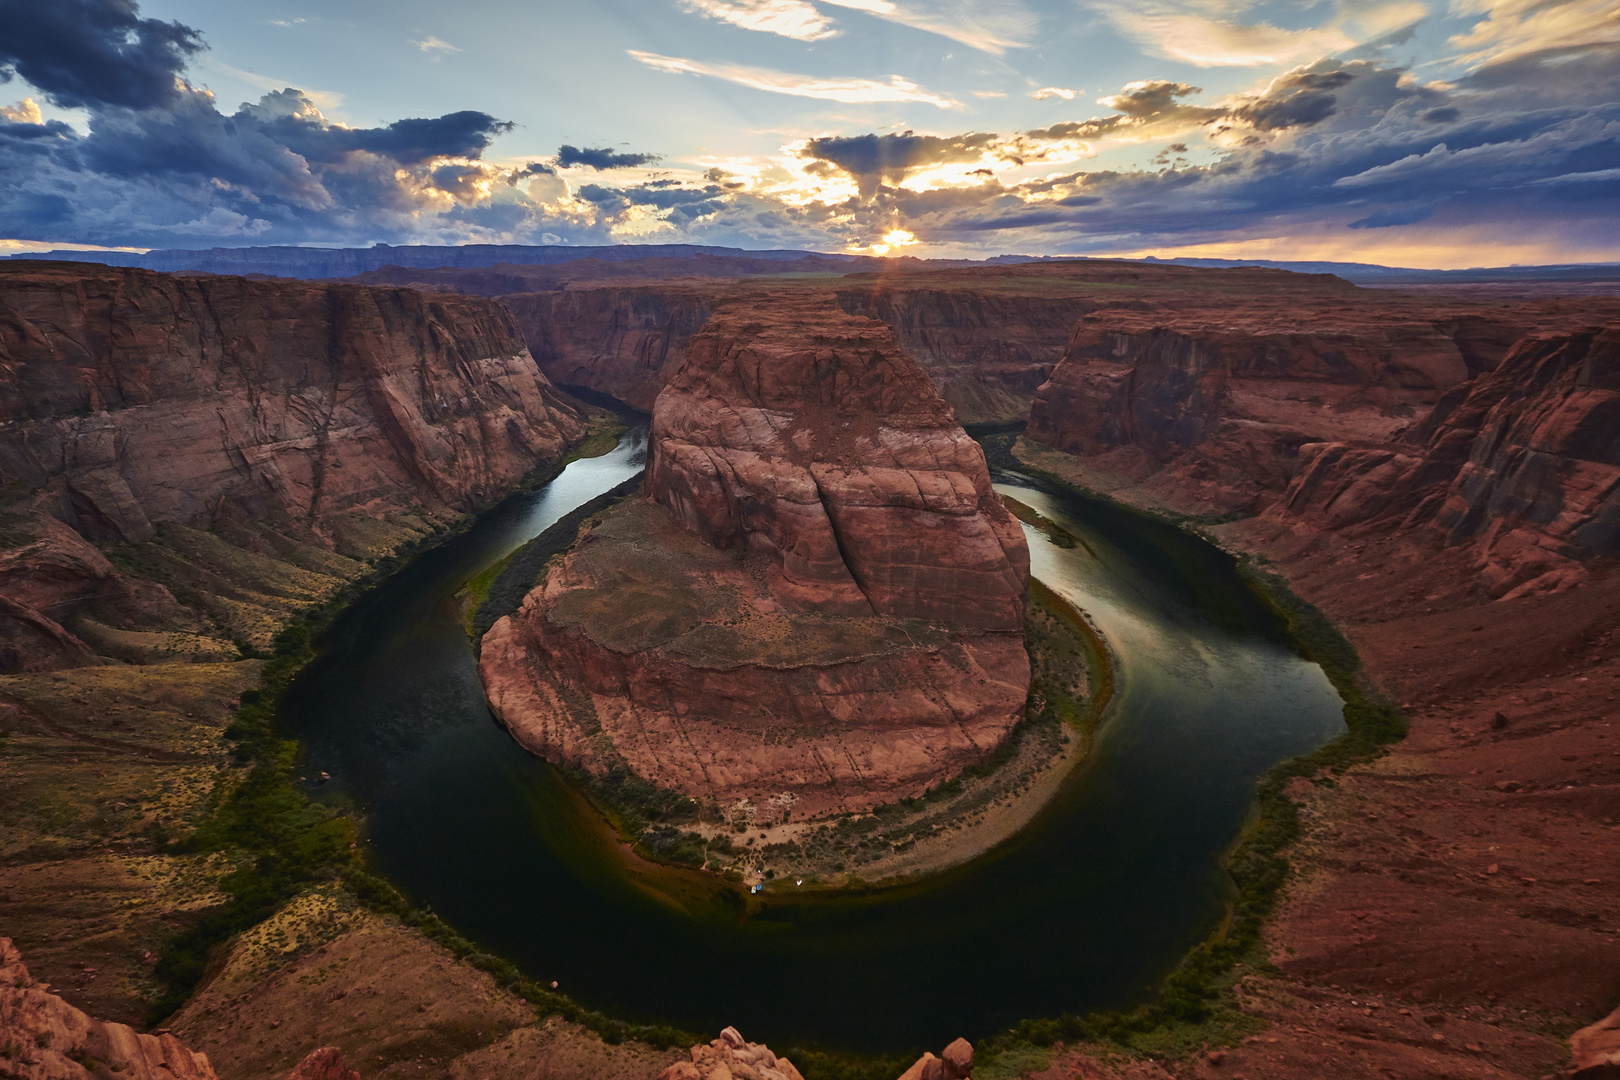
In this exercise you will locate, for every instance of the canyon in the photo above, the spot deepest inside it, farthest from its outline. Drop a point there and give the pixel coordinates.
(237, 420)
(186, 462)
(819, 602)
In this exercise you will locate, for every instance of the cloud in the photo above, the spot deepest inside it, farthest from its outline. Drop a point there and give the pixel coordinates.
(599, 159)
(25, 111)
(850, 91)
(1516, 28)
(88, 53)
(1520, 153)
(1212, 34)
(992, 26)
(874, 159)
(796, 19)
(1046, 92)
(989, 93)
(162, 164)
(434, 47)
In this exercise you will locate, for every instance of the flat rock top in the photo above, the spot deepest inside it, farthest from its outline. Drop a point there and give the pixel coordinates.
(638, 581)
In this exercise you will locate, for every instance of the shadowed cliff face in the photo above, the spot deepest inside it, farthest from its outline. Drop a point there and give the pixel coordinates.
(820, 601)
(1207, 407)
(1522, 463)
(620, 341)
(136, 407)
(141, 397)
(986, 351)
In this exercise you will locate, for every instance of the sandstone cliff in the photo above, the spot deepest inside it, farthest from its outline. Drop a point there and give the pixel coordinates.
(987, 337)
(1523, 464)
(820, 602)
(1205, 406)
(619, 341)
(131, 402)
(987, 349)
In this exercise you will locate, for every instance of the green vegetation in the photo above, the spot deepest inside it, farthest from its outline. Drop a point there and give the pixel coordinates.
(1195, 1005)
(381, 896)
(521, 571)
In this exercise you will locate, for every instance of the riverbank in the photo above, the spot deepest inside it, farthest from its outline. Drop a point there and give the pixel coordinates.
(1440, 910)
(897, 843)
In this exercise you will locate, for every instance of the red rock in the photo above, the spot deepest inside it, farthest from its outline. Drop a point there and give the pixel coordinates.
(1211, 401)
(807, 435)
(927, 1067)
(324, 1064)
(129, 399)
(958, 1060)
(1522, 464)
(52, 1040)
(823, 606)
(137, 397)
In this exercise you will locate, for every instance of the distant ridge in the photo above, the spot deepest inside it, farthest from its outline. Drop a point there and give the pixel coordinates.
(302, 262)
(1372, 273)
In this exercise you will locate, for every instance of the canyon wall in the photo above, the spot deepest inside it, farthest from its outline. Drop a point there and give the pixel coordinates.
(987, 350)
(619, 341)
(133, 402)
(1206, 409)
(1523, 464)
(818, 603)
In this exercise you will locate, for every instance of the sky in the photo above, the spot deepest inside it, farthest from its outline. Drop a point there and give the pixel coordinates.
(1435, 133)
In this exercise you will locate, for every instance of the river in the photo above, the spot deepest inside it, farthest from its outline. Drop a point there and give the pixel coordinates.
(1086, 908)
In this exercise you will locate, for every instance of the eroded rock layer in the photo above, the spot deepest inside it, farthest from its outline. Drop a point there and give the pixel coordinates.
(138, 409)
(1204, 401)
(818, 603)
(141, 397)
(1522, 463)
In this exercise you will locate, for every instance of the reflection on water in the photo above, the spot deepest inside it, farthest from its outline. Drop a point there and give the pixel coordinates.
(1086, 909)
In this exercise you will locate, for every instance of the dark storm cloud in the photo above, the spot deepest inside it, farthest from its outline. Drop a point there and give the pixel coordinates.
(874, 159)
(88, 53)
(410, 142)
(600, 159)
(162, 164)
(1353, 140)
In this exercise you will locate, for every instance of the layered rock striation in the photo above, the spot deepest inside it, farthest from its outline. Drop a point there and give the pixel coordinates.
(987, 349)
(1522, 464)
(818, 602)
(42, 1037)
(140, 397)
(131, 401)
(1206, 405)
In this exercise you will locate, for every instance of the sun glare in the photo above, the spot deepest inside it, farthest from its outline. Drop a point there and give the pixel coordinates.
(894, 238)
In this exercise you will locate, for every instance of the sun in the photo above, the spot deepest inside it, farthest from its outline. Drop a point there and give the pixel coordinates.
(894, 238)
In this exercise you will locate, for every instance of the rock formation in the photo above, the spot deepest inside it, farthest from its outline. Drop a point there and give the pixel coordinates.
(1596, 1050)
(324, 1064)
(42, 1037)
(1522, 463)
(986, 342)
(130, 400)
(619, 341)
(731, 1057)
(1204, 401)
(956, 1063)
(819, 602)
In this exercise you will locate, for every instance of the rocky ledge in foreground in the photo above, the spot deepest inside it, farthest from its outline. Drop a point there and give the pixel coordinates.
(731, 1057)
(816, 606)
(42, 1037)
